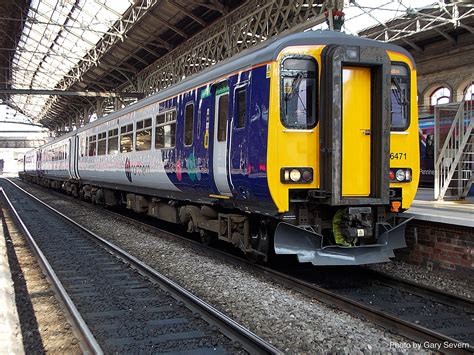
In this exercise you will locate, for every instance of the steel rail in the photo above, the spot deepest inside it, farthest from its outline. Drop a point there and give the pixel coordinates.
(410, 330)
(235, 331)
(422, 290)
(87, 339)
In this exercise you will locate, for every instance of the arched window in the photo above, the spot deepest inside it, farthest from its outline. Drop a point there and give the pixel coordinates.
(440, 96)
(469, 93)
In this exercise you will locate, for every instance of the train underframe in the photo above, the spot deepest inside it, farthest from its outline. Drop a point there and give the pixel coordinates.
(316, 233)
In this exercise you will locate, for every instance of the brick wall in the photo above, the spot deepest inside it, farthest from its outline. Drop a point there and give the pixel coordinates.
(439, 246)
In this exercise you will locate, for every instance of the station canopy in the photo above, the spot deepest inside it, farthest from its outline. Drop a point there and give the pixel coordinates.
(101, 45)
(56, 36)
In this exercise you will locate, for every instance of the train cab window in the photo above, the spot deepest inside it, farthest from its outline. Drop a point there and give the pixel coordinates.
(143, 135)
(101, 143)
(222, 119)
(126, 138)
(112, 144)
(188, 124)
(400, 98)
(299, 92)
(240, 107)
(92, 145)
(165, 131)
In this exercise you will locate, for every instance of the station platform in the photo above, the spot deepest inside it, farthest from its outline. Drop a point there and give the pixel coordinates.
(426, 208)
(11, 341)
(441, 235)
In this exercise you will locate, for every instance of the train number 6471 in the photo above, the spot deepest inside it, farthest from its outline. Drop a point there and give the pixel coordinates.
(398, 156)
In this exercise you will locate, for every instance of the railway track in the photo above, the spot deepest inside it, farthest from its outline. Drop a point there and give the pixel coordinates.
(438, 320)
(118, 304)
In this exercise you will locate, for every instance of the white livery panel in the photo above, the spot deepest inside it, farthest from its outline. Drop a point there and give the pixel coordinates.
(31, 161)
(55, 159)
(98, 147)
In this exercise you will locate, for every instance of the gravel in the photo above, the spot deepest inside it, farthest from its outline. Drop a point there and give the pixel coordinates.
(437, 279)
(291, 321)
(44, 325)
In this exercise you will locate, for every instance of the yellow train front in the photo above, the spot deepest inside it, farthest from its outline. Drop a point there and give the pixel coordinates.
(343, 153)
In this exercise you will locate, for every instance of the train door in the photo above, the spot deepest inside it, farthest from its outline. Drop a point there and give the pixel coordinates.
(38, 162)
(69, 158)
(75, 158)
(356, 131)
(220, 150)
(238, 145)
(73, 149)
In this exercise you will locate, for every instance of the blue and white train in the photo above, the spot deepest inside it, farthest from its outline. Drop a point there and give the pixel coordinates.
(305, 145)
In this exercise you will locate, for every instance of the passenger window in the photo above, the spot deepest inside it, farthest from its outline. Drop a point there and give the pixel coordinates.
(126, 138)
(112, 144)
(165, 131)
(240, 107)
(400, 98)
(101, 143)
(222, 119)
(143, 135)
(188, 124)
(299, 92)
(92, 145)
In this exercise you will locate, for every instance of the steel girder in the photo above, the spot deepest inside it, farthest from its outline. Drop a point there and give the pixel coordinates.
(445, 14)
(92, 58)
(254, 22)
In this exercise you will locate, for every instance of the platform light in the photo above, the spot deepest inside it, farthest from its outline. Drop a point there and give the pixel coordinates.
(296, 175)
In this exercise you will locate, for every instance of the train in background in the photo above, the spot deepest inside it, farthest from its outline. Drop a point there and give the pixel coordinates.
(427, 153)
(304, 145)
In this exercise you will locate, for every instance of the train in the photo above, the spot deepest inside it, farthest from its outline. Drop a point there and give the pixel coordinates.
(304, 145)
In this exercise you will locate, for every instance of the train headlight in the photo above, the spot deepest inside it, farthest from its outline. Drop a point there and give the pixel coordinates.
(407, 174)
(400, 175)
(296, 175)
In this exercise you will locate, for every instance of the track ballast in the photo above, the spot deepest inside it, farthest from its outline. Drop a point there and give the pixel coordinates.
(128, 307)
(423, 314)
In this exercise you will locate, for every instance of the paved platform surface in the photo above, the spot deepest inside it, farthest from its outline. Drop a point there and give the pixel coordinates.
(11, 341)
(426, 208)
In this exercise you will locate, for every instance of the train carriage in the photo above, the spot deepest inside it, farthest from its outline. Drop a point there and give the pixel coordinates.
(307, 144)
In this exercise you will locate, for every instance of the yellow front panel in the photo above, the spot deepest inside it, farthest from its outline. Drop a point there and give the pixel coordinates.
(356, 131)
(406, 143)
(289, 147)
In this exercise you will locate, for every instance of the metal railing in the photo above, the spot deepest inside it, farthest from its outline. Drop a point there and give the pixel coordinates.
(454, 150)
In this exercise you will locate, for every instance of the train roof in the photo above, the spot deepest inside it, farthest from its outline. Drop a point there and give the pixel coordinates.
(264, 52)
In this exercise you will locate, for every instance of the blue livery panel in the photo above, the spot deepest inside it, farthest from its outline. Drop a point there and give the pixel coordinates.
(190, 167)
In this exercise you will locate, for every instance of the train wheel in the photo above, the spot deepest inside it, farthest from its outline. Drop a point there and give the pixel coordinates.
(260, 243)
(81, 194)
(206, 238)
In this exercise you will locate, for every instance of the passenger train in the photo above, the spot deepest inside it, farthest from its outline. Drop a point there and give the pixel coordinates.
(304, 145)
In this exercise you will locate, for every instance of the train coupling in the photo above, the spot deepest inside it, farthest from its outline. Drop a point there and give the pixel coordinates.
(308, 245)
